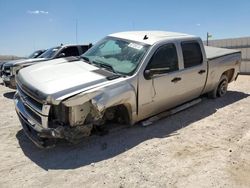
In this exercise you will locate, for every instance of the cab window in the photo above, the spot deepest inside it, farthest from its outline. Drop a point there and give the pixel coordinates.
(71, 51)
(84, 48)
(192, 54)
(165, 57)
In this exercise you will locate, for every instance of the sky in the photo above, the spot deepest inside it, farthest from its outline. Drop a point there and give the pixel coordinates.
(28, 25)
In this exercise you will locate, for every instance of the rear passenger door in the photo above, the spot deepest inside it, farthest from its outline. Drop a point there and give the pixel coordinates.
(194, 70)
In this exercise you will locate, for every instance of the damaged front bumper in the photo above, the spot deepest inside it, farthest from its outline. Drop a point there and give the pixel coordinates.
(46, 137)
(9, 81)
(42, 137)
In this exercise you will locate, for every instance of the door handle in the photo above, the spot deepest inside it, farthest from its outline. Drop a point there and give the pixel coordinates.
(201, 71)
(177, 79)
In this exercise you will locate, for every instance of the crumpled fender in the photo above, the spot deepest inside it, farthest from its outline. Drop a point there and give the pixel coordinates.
(108, 96)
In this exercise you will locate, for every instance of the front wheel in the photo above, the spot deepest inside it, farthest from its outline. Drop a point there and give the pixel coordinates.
(221, 88)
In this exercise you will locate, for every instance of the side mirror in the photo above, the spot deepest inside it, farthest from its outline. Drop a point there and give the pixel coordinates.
(61, 55)
(148, 74)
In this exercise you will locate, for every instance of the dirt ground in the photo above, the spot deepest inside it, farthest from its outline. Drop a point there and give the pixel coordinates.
(207, 145)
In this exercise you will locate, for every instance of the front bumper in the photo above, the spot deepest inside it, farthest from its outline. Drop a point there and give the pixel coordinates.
(9, 81)
(41, 137)
(45, 137)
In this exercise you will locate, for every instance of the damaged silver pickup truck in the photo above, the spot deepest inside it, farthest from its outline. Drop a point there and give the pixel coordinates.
(126, 77)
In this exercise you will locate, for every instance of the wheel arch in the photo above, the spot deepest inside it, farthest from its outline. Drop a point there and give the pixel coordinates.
(229, 73)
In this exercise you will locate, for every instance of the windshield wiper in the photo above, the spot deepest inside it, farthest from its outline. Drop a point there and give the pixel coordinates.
(103, 65)
(106, 66)
(85, 59)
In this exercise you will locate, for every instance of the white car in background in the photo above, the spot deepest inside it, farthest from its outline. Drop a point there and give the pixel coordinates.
(10, 69)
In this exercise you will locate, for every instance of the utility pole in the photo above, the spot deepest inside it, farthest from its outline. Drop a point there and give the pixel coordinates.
(208, 36)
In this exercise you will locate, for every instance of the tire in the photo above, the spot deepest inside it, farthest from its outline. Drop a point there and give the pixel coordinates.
(221, 88)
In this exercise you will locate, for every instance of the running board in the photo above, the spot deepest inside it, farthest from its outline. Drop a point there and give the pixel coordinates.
(167, 113)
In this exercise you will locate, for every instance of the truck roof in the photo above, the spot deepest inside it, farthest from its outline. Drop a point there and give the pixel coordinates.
(70, 45)
(152, 36)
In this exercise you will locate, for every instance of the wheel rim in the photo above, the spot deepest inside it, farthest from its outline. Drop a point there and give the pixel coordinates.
(223, 88)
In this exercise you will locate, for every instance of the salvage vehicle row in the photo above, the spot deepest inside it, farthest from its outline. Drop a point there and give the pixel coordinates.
(11, 68)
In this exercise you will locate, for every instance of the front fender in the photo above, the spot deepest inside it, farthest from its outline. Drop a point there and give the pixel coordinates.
(121, 93)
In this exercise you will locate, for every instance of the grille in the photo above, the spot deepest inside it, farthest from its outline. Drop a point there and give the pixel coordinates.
(34, 116)
(30, 101)
(35, 110)
(6, 71)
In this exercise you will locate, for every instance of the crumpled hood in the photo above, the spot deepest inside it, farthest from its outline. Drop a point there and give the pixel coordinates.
(23, 61)
(56, 78)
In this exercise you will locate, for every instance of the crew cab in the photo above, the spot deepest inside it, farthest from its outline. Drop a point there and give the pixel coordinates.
(10, 69)
(126, 77)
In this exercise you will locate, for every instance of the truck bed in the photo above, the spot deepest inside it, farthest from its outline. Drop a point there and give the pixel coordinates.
(214, 52)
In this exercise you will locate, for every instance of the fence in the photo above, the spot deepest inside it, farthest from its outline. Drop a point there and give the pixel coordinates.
(242, 44)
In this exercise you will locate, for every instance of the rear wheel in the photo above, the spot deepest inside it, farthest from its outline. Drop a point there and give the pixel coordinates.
(221, 88)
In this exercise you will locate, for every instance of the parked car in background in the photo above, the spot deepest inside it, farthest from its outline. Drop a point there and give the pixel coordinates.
(35, 54)
(1, 66)
(10, 69)
(125, 78)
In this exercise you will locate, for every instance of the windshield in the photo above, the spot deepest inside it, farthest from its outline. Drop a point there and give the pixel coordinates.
(121, 55)
(35, 54)
(49, 53)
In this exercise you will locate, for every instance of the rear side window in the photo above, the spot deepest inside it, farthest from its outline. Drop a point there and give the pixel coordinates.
(84, 48)
(192, 54)
(165, 57)
(71, 51)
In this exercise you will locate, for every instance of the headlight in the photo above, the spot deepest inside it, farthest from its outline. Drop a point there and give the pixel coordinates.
(14, 70)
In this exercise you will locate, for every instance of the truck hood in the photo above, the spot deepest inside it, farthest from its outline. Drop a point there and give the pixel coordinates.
(54, 80)
(23, 61)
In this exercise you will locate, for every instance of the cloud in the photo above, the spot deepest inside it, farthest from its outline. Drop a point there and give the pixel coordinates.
(37, 12)
(198, 24)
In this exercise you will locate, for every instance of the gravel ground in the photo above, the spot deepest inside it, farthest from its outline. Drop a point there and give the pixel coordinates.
(207, 145)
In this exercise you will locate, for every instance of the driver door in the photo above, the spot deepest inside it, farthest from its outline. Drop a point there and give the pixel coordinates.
(162, 90)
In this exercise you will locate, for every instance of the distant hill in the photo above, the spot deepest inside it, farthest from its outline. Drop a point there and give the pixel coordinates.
(9, 57)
